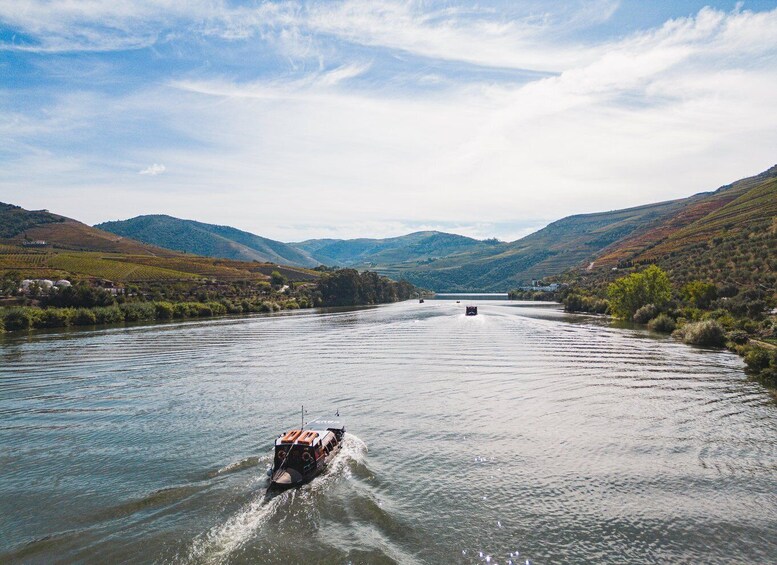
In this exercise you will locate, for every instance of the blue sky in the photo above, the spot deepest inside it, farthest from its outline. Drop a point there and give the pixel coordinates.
(366, 118)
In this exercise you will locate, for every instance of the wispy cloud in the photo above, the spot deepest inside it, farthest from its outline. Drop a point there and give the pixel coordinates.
(153, 170)
(655, 114)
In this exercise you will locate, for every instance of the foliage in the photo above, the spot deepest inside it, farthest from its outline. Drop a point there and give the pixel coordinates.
(708, 333)
(84, 317)
(762, 364)
(164, 310)
(14, 220)
(628, 294)
(662, 323)
(277, 279)
(18, 319)
(79, 296)
(55, 318)
(347, 287)
(578, 303)
(108, 314)
(699, 294)
(136, 311)
(645, 313)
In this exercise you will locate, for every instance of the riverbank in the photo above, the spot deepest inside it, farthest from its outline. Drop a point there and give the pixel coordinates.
(84, 305)
(698, 313)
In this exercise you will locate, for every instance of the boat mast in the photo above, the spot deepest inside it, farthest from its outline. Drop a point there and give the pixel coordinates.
(302, 427)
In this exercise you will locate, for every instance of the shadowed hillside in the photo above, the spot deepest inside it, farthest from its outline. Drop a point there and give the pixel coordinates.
(208, 240)
(738, 214)
(66, 248)
(415, 247)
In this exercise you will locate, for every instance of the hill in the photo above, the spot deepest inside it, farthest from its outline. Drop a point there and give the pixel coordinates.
(666, 232)
(208, 240)
(559, 246)
(415, 247)
(75, 250)
(728, 237)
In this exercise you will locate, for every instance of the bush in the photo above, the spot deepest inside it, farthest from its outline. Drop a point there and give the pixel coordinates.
(291, 305)
(181, 310)
(662, 323)
(738, 337)
(84, 317)
(19, 319)
(628, 294)
(757, 359)
(762, 364)
(135, 311)
(217, 308)
(646, 313)
(55, 318)
(108, 314)
(164, 310)
(707, 333)
(266, 307)
(577, 303)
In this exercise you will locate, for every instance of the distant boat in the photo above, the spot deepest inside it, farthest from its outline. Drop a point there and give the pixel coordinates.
(472, 311)
(420, 300)
(300, 455)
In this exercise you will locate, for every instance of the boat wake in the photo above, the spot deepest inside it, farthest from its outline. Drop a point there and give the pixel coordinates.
(217, 544)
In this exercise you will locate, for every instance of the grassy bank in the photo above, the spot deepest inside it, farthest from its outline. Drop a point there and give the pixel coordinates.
(35, 317)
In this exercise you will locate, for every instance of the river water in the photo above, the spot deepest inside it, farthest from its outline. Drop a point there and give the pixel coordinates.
(519, 434)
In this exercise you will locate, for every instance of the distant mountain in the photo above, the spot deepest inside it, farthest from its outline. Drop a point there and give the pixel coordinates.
(665, 232)
(18, 224)
(446, 262)
(39, 244)
(208, 240)
(415, 247)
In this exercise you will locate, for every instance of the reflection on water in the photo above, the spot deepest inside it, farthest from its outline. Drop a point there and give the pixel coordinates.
(513, 435)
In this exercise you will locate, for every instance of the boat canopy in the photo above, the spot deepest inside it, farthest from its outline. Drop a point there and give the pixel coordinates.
(327, 424)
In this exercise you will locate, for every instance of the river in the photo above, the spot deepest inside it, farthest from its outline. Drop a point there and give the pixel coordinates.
(521, 434)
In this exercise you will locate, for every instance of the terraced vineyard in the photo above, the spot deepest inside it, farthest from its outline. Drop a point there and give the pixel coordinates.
(96, 265)
(119, 267)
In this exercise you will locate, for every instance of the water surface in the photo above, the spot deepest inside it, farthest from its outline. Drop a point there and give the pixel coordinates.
(519, 434)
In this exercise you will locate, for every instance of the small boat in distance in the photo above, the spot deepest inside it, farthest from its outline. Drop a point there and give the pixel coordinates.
(471, 311)
(420, 300)
(302, 454)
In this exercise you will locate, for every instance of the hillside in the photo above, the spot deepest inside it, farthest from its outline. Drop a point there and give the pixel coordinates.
(75, 250)
(208, 240)
(496, 266)
(415, 247)
(738, 216)
(727, 237)
(60, 232)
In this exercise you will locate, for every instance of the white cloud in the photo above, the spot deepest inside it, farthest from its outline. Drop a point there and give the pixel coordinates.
(658, 114)
(153, 170)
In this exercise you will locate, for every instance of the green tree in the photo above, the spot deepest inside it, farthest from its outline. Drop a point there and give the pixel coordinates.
(628, 294)
(699, 294)
(277, 279)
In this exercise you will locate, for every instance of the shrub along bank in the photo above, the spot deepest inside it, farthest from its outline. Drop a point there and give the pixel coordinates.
(698, 313)
(82, 305)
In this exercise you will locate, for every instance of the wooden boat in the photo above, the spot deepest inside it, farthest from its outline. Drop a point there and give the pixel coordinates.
(471, 311)
(302, 454)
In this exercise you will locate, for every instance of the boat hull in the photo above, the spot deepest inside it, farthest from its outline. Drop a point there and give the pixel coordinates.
(283, 479)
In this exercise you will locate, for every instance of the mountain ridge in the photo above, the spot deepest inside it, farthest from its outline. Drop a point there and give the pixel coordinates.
(208, 240)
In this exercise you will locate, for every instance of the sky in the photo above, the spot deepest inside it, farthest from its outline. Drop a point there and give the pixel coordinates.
(373, 118)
